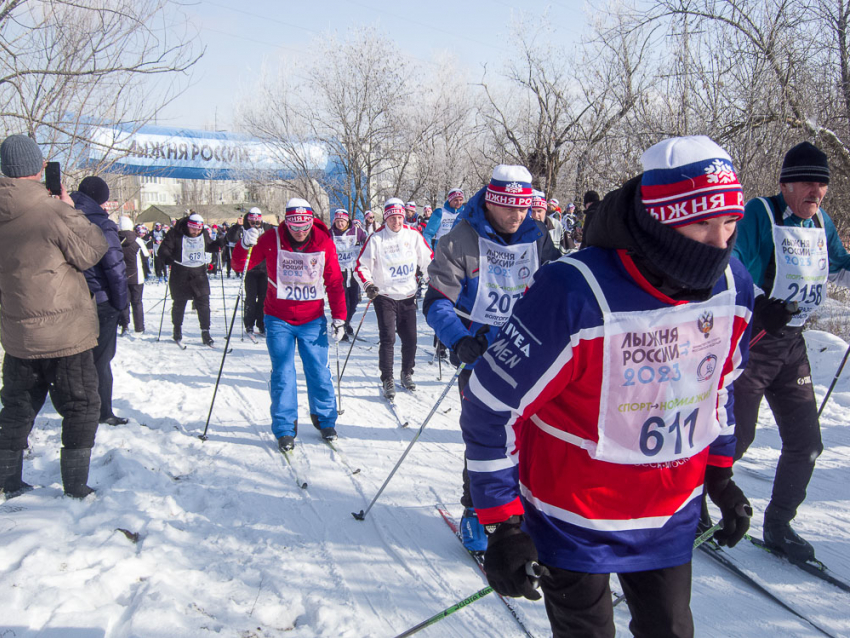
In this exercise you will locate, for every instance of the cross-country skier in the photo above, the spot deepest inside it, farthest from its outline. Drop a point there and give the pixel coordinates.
(302, 267)
(480, 268)
(604, 406)
(349, 240)
(256, 279)
(187, 248)
(538, 213)
(789, 245)
(443, 219)
(386, 268)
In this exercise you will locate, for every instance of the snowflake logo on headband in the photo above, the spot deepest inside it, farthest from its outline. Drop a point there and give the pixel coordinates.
(720, 173)
(514, 187)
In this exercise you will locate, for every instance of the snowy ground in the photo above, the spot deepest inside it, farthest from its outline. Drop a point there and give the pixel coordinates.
(186, 538)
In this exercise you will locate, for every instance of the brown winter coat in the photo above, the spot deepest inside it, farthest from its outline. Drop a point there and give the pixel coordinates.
(46, 309)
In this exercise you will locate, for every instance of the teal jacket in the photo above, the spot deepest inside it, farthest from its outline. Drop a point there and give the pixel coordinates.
(754, 244)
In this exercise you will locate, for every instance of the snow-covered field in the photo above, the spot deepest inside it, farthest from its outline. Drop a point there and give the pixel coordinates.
(186, 538)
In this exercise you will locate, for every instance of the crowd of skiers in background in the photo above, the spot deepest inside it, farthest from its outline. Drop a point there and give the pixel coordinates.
(605, 391)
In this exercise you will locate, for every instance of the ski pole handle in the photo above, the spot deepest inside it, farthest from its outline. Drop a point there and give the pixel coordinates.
(535, 572)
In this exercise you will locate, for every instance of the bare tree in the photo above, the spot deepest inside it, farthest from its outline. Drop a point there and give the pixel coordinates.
(67, 65)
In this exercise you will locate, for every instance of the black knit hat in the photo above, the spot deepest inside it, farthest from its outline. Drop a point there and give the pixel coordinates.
(590, 196)
(805, 163)
(96, 188)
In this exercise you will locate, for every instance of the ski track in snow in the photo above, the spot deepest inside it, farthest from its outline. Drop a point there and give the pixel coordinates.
(229, 545)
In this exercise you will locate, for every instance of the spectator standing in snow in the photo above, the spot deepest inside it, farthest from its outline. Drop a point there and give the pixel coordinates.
(48, 318)
(348, 240)
(187, 248)
(160, 268)
(135, 254)
(784, 241)
(386, 269)
(480, 268)
(571, 453)
(443, 219)
(302, 267)
(107, 282)
(591, 204)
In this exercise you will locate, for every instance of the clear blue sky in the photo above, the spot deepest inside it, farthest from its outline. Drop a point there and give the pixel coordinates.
(240, 35)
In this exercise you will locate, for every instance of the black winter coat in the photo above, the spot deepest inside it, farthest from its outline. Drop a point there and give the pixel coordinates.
(107, 280)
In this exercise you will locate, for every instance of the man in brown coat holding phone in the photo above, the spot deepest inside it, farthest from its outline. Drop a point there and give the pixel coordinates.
(48, 319)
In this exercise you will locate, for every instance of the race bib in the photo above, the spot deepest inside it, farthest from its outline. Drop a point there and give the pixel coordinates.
(661, 378)
(194, 255)
(447, 222)
(300, 276)
(398, 257)
(503, 275)
(802, 268)
(346, 251)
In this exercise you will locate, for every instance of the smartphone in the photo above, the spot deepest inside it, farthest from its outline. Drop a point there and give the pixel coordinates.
(53, 178)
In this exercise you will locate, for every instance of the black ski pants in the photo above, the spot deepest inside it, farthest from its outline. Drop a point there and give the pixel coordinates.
(779, 370)
(72, 384)
(202, 306)
(159, 266)
(395, 316)
(579, 605)
(256, 286)
(103, 353)
(352, 294)
(136, 292)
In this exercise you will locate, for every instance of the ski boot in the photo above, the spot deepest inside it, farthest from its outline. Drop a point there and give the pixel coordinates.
(780, 537)
(286, 443)
(206, 338)
(472, 532)
(407, 381)
(329, 434)
(389, 388)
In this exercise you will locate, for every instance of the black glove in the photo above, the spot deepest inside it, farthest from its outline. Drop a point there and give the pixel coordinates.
(773, 314)
(371, 291)
(509, 549)
(734, 506)
(468, 349)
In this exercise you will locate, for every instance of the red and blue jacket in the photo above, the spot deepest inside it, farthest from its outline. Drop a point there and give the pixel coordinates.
(544, 371)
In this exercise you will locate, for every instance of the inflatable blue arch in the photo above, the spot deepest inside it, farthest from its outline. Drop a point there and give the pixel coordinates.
(189, 154)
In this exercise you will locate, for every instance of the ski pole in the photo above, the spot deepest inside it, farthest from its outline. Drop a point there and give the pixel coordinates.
(338, 389)
(356, 332)
(834, 381)
(223, 299)
(532, 568)
(203, 436)
(361, 515)
(439, 362)
(162, 316)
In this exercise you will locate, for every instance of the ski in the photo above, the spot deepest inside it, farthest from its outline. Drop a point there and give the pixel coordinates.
(713, 550)
(342, 456)
(251, 336)
(394, 410)
(180, 343)
(814, 567)
(479, 560)
(290, 461)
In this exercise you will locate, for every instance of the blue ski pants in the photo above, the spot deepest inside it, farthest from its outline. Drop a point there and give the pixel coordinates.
(312, 341)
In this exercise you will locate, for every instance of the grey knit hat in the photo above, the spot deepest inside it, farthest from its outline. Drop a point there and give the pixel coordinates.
(20, 156)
